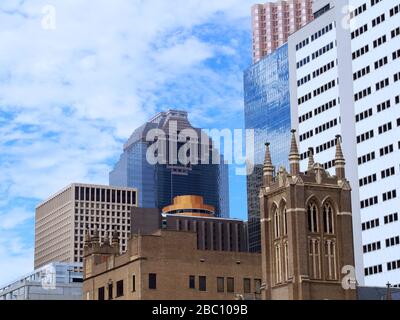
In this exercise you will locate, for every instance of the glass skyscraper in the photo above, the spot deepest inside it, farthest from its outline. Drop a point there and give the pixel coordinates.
(158, 184)
(267, 111)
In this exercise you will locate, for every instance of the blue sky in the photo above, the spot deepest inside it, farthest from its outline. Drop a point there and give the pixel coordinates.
(70, 96)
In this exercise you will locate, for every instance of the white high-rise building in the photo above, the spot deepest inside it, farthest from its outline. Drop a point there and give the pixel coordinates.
(344, 79)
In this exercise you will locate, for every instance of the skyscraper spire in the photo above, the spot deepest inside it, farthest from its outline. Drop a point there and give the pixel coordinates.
(310, 159)
(294, 157)
(339, 159)
(268, 168)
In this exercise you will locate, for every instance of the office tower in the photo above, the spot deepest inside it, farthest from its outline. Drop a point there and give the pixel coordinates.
(306, 228)
(53, 281)
(272, 23)
(159, 183)
(61, 220)
(344, 80)
(267, 111)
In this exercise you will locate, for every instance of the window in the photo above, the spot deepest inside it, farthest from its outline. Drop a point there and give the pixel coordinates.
(152, 281)
(285, 222)
(276, 224)
(312, 218)
(120, 288)
(373, 270)
(330, 254)
(230, 285)
(370, 224)
(133, 283)
(246, 285)
(110, 291)
(192, 282)
(371, 247)
(314, 259)
(369, 202)
(390, 218)
(101, 293)
(202, 283)
(388, 172)
(394, 241)
(220, 284)
(257, 286)
(328, 219)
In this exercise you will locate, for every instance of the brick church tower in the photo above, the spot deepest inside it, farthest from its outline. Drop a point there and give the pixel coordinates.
(306, 230)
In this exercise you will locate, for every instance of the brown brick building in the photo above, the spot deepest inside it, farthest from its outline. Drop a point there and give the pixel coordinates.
(306, 230)
(168, 265)
(183, 253)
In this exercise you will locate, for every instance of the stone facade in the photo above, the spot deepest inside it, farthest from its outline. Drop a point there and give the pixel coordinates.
(306, 229)
(168, 265)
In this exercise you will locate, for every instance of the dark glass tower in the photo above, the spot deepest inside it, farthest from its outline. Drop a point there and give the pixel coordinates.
(267, 111)
(158, 184)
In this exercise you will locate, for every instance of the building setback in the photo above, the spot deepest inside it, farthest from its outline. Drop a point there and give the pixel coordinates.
(273, 22)
(190, 214)
(344, 80)
(60, 221)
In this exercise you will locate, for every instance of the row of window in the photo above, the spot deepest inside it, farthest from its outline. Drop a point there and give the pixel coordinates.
(322, 51)
(380, 41)
(325, 87)
(395, 10)
(389, 195)
(314, 37)
(362, 94)
(364, 115)
(365, 136)
(318, 110)
(326, 126)
(361, 73)
(374, 223)
(201, 285)
(358, 10)
(105, 195)
(390, 242)
(367, 180)
(393, 265)
(359, 31)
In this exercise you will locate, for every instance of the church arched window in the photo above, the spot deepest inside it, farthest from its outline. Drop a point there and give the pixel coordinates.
(277, 225)
(285, 221)
(328, 219)
(312, 217)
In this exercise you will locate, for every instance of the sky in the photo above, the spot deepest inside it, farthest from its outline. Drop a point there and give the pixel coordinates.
(78, 76)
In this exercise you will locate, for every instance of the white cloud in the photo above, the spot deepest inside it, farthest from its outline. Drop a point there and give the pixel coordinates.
(71, 96)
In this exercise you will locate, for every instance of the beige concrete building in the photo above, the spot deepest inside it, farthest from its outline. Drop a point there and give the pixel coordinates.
(273, 22)
(306, 230)
(167, 265)
(60, 221)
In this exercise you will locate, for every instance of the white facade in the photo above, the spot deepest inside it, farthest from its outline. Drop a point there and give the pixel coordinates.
(338, 84)
(55, 281)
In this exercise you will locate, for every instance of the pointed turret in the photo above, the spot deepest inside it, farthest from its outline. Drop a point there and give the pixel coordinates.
(115, 241)
(294, 157)
(268, 168)
(339, 159)
(310, 159)
(106, 241)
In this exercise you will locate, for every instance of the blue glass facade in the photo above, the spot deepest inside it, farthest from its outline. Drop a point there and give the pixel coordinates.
(158, 184)
(267, 111)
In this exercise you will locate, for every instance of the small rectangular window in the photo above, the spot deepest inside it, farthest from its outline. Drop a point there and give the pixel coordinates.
(246, 285)
(202, 283)
(220, 284)
(230, 285)
(152, 281)
(120, 288)
(101, 293)
(192, 284)
(133, 283)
